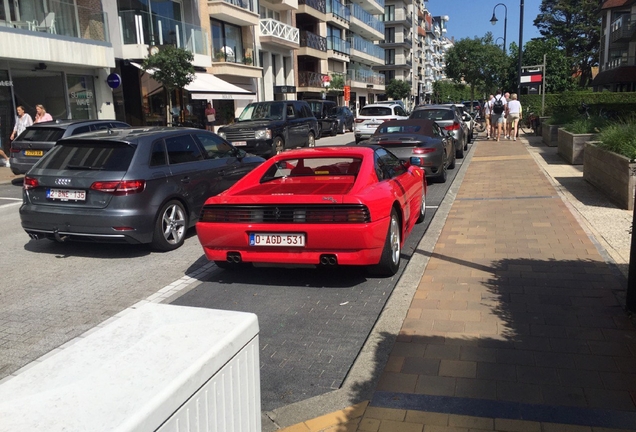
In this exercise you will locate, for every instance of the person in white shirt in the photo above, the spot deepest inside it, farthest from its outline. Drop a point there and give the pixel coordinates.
(498, 106)
(513, 112)
(487, 114)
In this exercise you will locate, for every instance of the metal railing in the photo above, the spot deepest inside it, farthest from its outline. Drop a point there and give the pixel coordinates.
(271, 27)
(311, 40)
(619, 62)
(311, 79)
(365, 76)
(62, 18)
(339, 10)
(140, 28)
(336, 44)
(366, 18)
(360, 44)
(319, 5)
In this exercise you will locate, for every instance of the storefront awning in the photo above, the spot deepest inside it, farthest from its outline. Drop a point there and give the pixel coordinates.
(209, 87)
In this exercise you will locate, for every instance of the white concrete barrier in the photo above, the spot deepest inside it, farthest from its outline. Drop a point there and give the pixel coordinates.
(157, 367)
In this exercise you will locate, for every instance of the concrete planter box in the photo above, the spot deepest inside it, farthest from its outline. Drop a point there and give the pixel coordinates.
(550, 135)
(611, 173)
(571, 146)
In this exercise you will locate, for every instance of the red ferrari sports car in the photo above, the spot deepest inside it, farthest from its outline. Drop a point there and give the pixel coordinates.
(320, 206)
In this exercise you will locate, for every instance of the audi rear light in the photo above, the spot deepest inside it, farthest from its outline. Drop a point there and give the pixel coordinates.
(454, 126)
(30, 183)
(124, 187)
(423, 150)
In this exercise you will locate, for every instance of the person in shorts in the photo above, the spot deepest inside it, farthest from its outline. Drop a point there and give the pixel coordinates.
(513, 110)
(487, 114)
(498, 106)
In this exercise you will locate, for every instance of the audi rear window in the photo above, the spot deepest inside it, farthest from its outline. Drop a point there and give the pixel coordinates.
(41, 134)
(88, 156)
(376, 111)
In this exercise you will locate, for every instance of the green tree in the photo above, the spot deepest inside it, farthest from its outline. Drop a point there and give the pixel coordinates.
(577, 28)
(477, 62)
(447, 91)
(398, 89)
(172, 68)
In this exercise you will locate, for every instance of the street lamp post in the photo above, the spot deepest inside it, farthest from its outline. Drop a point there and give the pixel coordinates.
(494, 20)
(502, 40)
(520, 46)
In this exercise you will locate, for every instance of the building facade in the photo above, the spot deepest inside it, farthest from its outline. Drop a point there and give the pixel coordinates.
(617, 58)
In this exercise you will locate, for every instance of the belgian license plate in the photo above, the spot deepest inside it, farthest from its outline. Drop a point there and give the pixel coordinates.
(239, 143)
(66, 194)
(38, 153)
(277, 239)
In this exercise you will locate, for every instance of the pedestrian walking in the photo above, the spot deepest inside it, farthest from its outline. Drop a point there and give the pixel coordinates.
(513, 111)
(22, 121)
(487, 115)
(498, 104)
(41, 115)
(210, 117)
(506, 126)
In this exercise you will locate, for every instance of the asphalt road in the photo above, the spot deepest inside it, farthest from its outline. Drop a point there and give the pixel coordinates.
(313, 323)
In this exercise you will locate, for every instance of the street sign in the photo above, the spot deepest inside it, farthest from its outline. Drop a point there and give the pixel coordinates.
(113, 80)
(529, 78)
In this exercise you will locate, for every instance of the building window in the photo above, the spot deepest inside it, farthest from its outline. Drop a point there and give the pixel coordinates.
(389, 13)
(389, 56)
(389, 35)
(268, 13)
(227, 42)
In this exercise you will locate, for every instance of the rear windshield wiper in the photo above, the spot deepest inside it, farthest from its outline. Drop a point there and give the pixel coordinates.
(83, 167)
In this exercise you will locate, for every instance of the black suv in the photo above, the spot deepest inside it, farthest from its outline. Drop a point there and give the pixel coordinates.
(325, 111)
(36, 140)
(269, 128)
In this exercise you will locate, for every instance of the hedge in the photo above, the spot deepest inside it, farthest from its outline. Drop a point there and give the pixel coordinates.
(568, 103)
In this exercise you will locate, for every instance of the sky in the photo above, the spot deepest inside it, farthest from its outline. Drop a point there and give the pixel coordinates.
(470, 18)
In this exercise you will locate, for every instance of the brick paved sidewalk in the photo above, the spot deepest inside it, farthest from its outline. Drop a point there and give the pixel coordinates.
(515, 325)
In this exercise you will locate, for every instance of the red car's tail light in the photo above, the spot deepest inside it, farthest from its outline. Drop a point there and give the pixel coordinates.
(288, 214)
(30, 183)
(125, 187)
(454, 126)
(419, 151)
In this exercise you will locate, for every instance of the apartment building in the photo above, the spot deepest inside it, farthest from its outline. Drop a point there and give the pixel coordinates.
(57, 54)
(617, 57)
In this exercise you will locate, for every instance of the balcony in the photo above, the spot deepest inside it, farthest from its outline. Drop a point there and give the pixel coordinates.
(340, 13)
(315, 8)
(363, 77)
(405, 41)
(237, 12)
(623, 28)
(338, 45)
(614, 63)
(312, 81)
(366, 51)
(313, 45)
(374, 7)
(401, 16)
(365, 24)
(421, 31)
(280, 5)
(235, 62)
(67, 34)
(278, 33)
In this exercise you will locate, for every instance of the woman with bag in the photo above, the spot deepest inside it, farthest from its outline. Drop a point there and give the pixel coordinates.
(210, 117)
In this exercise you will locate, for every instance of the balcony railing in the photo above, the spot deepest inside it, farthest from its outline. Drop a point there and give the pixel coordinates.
(62, 18)
(366, 18)
(140, 28)
(338, 10)
(365, 76)
(623, 28)
(271, 27)
(311, 79)
(311, 40)
(365, 46)
(234, 55)
(244, 4)
(400, 14)
(339, 45)
(319, 5)
(619, 62)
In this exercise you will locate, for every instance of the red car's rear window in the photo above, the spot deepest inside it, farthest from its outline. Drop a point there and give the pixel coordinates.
(313, 167)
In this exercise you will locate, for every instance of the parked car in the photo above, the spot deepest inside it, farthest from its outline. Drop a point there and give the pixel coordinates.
(476, 105)
(419, 142)
(373, 115)
(345, 119)
(364, 197)
(449, 119)
(38, 139)
(137, 185)
(464, 114)
(269, 128)
(323, 110)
